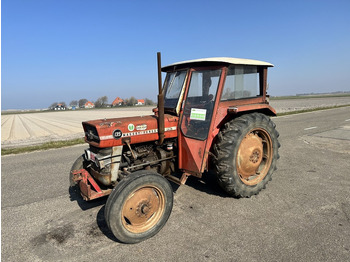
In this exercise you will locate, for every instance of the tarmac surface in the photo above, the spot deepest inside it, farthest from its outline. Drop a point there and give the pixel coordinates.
(37, 128)
(302, 215)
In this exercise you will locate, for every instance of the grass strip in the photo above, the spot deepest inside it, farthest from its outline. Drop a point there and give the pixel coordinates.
(308, 96)
(45, 146)
(310, 110)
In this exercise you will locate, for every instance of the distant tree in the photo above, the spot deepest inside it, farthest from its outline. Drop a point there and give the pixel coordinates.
(53, 105)
(148, 102)
(131, 101)
(82, 102)
(125, 102)
(98, 103)
(104, 100)
(101, 101)
(73, 103)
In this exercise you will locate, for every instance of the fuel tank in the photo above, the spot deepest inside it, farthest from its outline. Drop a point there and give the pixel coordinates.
(112, 132)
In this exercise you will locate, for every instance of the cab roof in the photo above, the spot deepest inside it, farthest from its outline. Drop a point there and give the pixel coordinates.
(212, 61)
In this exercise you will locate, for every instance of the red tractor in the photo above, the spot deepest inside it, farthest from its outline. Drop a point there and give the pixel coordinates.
(212, 114)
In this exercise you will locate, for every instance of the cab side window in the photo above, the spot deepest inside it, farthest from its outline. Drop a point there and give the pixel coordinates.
(241, 82)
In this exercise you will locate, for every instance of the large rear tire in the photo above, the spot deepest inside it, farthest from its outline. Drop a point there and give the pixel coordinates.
(246, 152)
(139, 206)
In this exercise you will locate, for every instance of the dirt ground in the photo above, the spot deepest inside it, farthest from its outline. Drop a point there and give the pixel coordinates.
(36, 128)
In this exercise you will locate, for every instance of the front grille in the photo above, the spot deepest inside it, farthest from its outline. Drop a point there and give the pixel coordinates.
(101, 151)
(91, 134)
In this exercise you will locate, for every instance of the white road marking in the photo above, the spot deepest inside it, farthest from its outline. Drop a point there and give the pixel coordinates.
(347, 120)
(308, 128)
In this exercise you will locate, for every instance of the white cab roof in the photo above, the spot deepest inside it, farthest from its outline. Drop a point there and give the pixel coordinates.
(213, 60)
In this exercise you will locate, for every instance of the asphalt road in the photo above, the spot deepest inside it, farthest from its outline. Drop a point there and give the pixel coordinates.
(302, 215)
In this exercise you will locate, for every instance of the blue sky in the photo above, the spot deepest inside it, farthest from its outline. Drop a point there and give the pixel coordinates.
(55, 51)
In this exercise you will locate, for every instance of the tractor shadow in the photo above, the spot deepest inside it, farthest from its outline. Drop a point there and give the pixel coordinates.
(100, 217)
(102, 225)
(207, 184)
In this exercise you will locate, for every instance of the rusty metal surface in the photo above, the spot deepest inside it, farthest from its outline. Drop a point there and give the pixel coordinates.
(138, 129)
(160, 101)
(192, 157)
(252, 107)
(249, 155)
(254, 156)
(143, 208)
(179, 181)
(89, 189)
(101, 178)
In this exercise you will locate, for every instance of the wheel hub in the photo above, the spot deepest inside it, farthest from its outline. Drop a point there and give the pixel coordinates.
(255, 156)
(143, 209)
(250, 154)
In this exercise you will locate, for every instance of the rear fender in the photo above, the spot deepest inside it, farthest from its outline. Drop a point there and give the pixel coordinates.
(227, 113)
(262, 108)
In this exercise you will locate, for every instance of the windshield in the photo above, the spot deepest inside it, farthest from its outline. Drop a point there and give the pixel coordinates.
(172, 88)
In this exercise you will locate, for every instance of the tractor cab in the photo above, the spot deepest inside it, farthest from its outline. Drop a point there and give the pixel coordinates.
(206, 93)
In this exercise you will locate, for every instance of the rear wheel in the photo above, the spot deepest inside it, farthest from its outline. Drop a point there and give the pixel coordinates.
(246, 152)
(139, 206)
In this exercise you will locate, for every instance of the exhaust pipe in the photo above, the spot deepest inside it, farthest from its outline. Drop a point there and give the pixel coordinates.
(160, 102)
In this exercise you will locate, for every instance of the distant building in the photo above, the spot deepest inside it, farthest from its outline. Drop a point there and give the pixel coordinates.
(89, 104)
(117, 102)
(59, 107)
(140, 102)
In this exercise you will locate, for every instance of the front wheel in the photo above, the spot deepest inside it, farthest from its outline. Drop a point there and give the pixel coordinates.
(77, 165)
(246, 152)
(139, 206)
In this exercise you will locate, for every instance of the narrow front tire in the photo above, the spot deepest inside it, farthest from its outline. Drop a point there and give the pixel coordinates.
(139, 206)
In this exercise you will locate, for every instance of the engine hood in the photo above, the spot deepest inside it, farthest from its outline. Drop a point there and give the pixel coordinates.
(113, 131)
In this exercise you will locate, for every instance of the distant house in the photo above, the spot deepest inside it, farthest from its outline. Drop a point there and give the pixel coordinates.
(59, 107)
(140, 102)
(117, 102)
(89, 104)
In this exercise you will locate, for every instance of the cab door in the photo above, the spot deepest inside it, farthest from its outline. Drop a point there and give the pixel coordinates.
(196, 117)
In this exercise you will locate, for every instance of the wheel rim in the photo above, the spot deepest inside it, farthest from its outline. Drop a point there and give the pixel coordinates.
(143, 209)
(254, 156)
